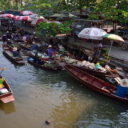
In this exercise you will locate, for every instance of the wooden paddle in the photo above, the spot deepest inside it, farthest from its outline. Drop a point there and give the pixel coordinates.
(117, 79)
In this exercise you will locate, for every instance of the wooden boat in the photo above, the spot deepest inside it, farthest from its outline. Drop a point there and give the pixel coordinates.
(25, 46)
(15, 60)
(98, 73)
(44, 67)
(37, 57)
(94, 83)
(6, 97)
(7, 47)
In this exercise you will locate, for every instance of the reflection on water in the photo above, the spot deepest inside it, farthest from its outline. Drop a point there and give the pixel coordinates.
(69, 111)
(104, 116)
(57, 97)
(7, 108)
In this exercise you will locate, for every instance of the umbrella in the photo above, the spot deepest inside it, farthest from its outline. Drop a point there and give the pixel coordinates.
(62, 15)
(8, 15)
(36, 21)
(113, 37)
(17, 18)
(25, 18)
(92, 33)
(57, 22)
(26, 13)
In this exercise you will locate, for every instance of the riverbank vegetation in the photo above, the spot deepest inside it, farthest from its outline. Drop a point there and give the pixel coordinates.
(52, 29)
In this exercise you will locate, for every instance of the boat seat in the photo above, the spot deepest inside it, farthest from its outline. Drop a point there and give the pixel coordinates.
(105, 89)
(108, 90)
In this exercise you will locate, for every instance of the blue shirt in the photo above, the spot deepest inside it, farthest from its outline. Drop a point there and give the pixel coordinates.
(9, 42)
(50, 51)
(34, 47)
(121, 91)
(16, 53)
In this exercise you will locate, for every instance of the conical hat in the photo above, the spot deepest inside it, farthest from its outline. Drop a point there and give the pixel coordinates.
(15, 49)
(124, 82)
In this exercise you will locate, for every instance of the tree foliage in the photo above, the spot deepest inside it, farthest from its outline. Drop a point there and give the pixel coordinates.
(115, 10)
(46, 29)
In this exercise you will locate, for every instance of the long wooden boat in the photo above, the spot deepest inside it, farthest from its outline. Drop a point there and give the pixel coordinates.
(94, 83)
(7, 47)
(8, 96)
(25, 46)
(15, 60)
(37, 57)
(98, 73)
(44, 67)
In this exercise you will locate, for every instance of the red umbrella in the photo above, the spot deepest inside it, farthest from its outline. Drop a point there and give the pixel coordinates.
(39, 20)
(26, 13)
(36, 21)
(8, 15)
(17, 18)
(25, 18)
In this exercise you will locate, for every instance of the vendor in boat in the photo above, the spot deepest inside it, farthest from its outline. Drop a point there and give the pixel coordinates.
(4, 38)
(8, 34)
(97, 52)
(9, 42)
(16, 52)
(50, 51)
(96, 55)
(122, 88)
(34, 47)
(98, 66)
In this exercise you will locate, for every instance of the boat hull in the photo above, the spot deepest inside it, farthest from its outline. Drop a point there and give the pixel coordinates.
(43, 67)
(8, 97)
(98, 73)
(94, 83)
(17, 61)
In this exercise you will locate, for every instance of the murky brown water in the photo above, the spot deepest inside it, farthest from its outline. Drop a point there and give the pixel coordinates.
(41, 96)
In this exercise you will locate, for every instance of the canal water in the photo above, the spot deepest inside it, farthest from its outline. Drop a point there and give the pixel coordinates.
(57, 97)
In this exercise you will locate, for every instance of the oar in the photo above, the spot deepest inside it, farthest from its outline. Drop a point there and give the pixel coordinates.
(117, 79)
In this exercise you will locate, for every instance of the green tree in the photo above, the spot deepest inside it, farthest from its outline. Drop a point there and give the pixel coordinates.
(75, 4)
(51, 29)
(114, 10)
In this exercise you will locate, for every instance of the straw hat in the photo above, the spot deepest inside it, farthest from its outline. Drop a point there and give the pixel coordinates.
(15, 49)
(33, 42)
(49, 46)
(124, 82)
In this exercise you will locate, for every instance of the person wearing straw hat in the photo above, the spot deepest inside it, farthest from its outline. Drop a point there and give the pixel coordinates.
(9, 42)
(15, 52)
(50, 51)
(97, 66)
(122, 88)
